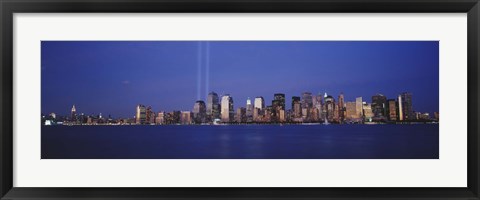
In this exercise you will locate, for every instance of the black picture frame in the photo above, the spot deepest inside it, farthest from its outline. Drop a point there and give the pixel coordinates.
(9, 7)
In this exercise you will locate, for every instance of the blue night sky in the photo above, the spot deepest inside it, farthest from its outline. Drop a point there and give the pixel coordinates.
(112, 77)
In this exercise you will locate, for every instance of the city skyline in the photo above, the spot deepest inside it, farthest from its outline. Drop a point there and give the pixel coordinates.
(96, 85)
(307, 108)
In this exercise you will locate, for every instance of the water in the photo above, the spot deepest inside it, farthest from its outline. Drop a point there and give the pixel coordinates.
(418, 141)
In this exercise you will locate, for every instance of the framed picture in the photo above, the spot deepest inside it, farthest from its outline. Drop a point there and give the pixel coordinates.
(241, 99)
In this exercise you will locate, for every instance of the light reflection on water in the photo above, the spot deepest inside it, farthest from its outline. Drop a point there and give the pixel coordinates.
(242, 141)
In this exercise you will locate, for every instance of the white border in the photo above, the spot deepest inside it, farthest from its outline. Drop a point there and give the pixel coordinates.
(448, 171)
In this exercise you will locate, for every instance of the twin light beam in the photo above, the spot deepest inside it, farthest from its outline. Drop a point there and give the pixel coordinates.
(203, 68)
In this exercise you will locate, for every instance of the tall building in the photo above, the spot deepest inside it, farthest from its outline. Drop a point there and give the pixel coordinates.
(213, 106)
(199, 112)
(268, 112)
(379, 102)
(241, 116)
(336, 113)
(73, 113)
(296, 107)
(367, 111)
(282, 116)
(400, 108)
(351, 111)
(280, 100)
(317, 107)
(249, 110)
(259, 103)
(149, 115)
(141, 115)
(407, 106)
(227, 108)
(392, 110)
(359, 107)
(341, 107)
(317, 100)
(307, 100)
(256, 115)
(329, 108)
(160, 119)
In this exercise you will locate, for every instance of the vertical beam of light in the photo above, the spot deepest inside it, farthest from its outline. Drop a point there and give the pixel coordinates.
(199, 68)
(207, 70)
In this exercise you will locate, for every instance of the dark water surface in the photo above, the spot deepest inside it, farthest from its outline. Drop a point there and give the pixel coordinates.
(419, 141)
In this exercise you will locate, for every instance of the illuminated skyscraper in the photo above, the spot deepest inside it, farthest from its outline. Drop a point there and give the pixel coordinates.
(160, 119)
(249, 110)
(149, 115)
(213, 106)
(199, 112)
(259, 103)
(227, 108)
(367, 112)
(256, 115)
(140, 116)
(400, 108)
(296, 107)
(241, 116)
(407, 106)
(279, 100)
(307, 100)
(329, 108)
(359, 107)
(392, 110)
(73, 113)
(282, 116)
(351, 111)
(379, 103)
(341, 107)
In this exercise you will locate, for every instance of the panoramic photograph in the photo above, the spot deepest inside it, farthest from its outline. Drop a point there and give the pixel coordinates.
(240, 100)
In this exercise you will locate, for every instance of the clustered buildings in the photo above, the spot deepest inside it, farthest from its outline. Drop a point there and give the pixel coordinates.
(306, 108)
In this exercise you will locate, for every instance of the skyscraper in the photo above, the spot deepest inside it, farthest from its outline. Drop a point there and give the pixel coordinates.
(249, 110)
(241, 116)
(351, 111)
(307, 100)
(392, 110)
(259, 103)
(280, 100)
(149, 115)
(407, 106)
(199, 112)
(379, 102)
(341, 107)
(329, 108)
(367, 111)
(227, 108)
(213, 106)
(73, 113)
(296, 107)
(400, 108)
(160, 119)
(140, 116)
(359, 107)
